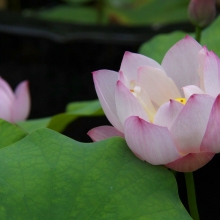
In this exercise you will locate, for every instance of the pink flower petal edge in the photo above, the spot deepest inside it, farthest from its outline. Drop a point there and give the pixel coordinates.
(189, 127)
(150, 142)
(167, 113)
(181, 62)
(7, 89)
(190, 162)
(22, 103)
(212, 74)
(5, 112)
(158, 86)
(191, 90)
(132, 61)
(211, 139)
(104, 132)
(127, 105)
(105, 84)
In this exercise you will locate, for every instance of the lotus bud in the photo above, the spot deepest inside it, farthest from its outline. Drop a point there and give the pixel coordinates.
(14, 106)
(201, 12)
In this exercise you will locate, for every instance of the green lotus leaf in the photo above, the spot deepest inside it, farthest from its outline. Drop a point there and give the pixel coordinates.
(49, 176)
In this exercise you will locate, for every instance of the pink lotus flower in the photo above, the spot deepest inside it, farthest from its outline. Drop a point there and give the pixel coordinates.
(14, 106)
(143, 101)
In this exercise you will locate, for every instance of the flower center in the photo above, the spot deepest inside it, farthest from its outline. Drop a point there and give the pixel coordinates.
(136, 91)
(139, 94)
(181, 100)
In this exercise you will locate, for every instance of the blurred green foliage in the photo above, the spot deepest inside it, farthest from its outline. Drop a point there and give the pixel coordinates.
(157, 47)
(123, 12)
(59, 122)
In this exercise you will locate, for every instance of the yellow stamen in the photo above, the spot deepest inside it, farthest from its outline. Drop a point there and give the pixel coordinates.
(181, 100)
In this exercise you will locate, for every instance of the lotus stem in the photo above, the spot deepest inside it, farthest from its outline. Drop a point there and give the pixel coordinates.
(191, 194)
(198, 33)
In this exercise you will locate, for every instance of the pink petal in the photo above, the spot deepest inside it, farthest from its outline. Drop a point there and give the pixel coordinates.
(211, 139)
(181, 62)
(151, 142)
(104, 132)
(124, 79)
(142, 97)
(167, 113)
(6, 88)
(189, 127)
(212, 74)
(190, 90)
(146, 103)
(132, 61)
(191, 162)
(201, 59)
(6, 94)
(158, 86)
(21, 107)
(5, 98)
(5, 110)
(105, 84)
(127, 105)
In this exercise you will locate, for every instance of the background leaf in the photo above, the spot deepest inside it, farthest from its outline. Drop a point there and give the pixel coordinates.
(9, 133)
(126, 12)
(59, 122)
(67, 13)
(148, 12)
(34, 124)
(157, 47)
(49, 176)
(74, 111)
(85, 108)
(210, 36)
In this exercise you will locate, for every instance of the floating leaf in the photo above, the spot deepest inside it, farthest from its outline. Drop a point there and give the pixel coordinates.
(49, 176)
